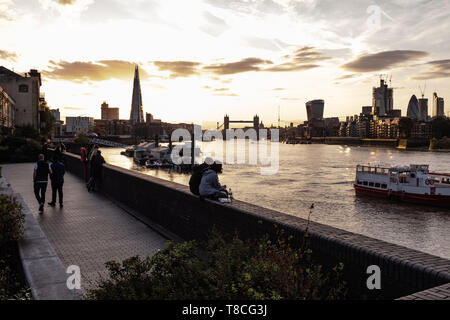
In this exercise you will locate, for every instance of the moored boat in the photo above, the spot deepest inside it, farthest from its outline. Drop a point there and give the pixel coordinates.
(414, 184)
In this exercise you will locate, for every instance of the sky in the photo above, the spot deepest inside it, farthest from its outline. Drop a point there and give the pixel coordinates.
(202, 59)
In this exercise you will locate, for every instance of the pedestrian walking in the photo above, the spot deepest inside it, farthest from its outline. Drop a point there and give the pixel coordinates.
(57, 179)
(96, 170)
(83, 158)
(40, 179)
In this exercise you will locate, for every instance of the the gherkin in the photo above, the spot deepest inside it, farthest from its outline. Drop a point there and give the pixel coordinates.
(137, 112)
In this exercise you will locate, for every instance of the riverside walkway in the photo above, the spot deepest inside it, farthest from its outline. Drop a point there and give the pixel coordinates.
(89, 230)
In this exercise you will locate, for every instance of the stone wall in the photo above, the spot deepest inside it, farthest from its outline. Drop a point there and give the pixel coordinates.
(171, 206)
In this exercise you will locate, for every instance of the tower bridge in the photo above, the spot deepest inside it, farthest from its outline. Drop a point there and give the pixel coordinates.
(227, 121)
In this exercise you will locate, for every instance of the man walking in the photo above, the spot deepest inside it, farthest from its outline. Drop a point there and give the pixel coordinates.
(57, 178)
(40, 179)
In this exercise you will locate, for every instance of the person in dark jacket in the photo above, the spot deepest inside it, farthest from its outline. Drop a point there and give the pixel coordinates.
(210, 186)
(96, 170)
(57, 179)
(40, 180)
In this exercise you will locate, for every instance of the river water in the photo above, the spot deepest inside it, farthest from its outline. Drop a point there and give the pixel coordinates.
(323, 175)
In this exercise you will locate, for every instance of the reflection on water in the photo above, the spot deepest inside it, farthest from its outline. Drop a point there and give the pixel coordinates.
(323, 175)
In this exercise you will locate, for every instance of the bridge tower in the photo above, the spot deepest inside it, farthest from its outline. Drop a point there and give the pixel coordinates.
(256, 122)
(226, 122)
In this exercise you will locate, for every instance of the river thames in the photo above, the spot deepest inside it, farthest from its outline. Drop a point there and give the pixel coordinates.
(324, 175)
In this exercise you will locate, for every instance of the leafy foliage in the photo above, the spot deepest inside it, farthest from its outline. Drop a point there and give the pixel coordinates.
(11, 219)
(19, 149)
(10, 286)
(441, 127)
(224, 270)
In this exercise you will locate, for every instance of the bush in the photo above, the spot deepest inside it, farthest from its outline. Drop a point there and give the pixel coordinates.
(18, 149)
(227, 270)
(10, 286)
(11, 220)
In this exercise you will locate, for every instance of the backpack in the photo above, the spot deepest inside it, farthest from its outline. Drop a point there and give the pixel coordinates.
(196, 178)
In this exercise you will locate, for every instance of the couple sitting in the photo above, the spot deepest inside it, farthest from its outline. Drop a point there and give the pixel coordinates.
(204, 181)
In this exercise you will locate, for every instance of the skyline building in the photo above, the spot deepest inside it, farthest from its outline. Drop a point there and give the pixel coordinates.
(314, 109)
(413, 108)
(438, 106)
(137, 112)
(382, 99)
(423, 109)
(109, 113)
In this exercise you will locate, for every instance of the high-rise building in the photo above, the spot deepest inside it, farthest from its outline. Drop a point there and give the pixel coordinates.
(314, 109)
(413, 108)
(438, 106)
(423, 109)
(137, 112)
(25, 90)
(109, 113)
(382, 99)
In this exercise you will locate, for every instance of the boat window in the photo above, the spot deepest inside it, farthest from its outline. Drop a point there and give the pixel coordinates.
(377, 185)
(413, 175)
(373, 170)
(384, 186)
(370, 184)
(365, 183)
(359, 168)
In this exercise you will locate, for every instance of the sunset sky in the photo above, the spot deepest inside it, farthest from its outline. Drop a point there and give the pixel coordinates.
(200, 59)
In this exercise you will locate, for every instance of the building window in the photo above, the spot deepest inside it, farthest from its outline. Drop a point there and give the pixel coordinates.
(23, 88)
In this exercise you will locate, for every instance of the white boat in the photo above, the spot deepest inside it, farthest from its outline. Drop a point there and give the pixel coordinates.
(415, 184)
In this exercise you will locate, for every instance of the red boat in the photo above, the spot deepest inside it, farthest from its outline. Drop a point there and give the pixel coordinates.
(414, 184)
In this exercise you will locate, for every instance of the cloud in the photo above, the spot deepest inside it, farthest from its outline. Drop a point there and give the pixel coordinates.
(215, 26)
(178, 68)
(348, 76)
(93, 71)
(8, 55)
(66, 2)
(301, 59)
(244, 65)
(437, 69)
(383, 60)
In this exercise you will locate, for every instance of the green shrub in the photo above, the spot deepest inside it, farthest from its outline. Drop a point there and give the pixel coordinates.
(19, 149)
(10, 286)
(11, 219)
(227, 270)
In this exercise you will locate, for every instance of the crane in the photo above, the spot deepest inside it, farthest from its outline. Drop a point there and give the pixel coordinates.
(422, 91)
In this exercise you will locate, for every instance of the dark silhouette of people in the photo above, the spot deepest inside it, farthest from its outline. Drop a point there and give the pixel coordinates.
(57, 180)
(40, 180)
(96, 170)
(210, 186)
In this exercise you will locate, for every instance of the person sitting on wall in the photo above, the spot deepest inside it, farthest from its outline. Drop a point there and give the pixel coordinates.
(210, 186)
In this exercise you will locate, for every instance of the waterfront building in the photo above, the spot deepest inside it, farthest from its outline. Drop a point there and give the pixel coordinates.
(113, 127)
(314, 109)
(382, 99)
(58, 130)
(422, 130)
(7, 105)
(149, 118)
(438, 106)
(109, 113)
(423, 109)
(25, 91)
(137, 111)
(75, 125)
(413, 108)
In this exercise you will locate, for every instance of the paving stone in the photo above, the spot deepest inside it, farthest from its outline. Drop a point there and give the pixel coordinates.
(88, 231)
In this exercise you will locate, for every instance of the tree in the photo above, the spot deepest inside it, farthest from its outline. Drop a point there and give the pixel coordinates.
(405, 126)
(46, 118)
(440, 127)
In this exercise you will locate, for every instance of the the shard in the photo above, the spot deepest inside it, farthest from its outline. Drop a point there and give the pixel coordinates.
(137, 112)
